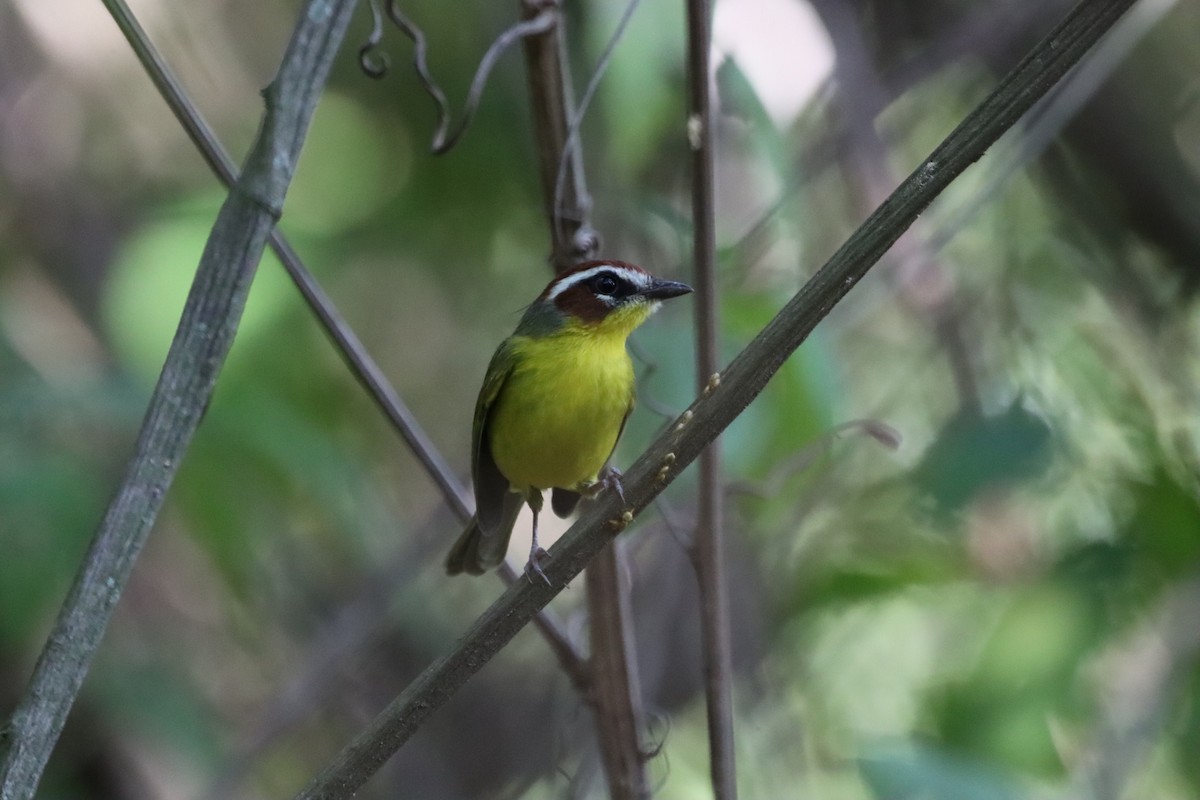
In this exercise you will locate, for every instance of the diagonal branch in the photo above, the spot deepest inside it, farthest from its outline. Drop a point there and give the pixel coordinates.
(711, 413)
(205, 334)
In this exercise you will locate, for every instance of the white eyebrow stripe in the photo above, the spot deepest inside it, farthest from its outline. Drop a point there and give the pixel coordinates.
(636, 278)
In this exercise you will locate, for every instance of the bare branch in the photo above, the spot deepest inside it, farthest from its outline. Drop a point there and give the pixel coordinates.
(205, 334)
(616, 690)
(584, 240)
(711, 413)
(569, 211)
(708, 542)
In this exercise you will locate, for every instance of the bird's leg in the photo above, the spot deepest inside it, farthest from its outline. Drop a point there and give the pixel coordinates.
(536, 553)
(610, 478)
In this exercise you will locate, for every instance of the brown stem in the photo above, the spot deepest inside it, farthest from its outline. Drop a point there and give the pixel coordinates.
(571, 235)
(707, 545)
(616, 695)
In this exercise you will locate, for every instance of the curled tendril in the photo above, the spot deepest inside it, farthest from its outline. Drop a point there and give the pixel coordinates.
(546, 19)
(421, 65)
(374, 64)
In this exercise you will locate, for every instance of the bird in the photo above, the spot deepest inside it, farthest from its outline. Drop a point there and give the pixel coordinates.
(553, 404)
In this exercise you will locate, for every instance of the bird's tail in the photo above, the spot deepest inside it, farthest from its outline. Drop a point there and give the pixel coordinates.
(475, 551)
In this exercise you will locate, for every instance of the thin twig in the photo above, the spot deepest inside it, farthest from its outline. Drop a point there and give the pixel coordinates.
(353, 353)
(443, 141)
(349, 346)
(571, 235)
(741, 382)
(708, 541)
(202, 340)
(374, 64)
(421, 65)
(569, 147)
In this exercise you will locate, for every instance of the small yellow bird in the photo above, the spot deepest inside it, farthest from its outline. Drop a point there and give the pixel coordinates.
(553, 404)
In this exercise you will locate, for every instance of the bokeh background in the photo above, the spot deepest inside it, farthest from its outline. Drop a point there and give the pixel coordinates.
(1007, 605)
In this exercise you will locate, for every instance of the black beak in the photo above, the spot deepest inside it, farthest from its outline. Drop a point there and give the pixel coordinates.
(662, 290)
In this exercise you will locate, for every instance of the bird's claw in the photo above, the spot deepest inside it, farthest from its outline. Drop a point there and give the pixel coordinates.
(611, 480)
(534, 567)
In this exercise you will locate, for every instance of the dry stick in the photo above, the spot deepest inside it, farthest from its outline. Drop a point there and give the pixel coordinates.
(205, 334)
(615, 694)
(572, 238)
(711, 413)
(707, 545)
(443, 140)
(355, 355)
(584, 236)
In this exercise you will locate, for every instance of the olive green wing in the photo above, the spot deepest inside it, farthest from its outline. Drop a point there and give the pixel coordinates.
(494, 503)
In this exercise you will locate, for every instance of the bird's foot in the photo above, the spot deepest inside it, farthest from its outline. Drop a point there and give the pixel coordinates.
(610, 480)
(536, 556)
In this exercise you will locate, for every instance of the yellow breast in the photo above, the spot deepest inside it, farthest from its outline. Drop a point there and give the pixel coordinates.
(557, 419)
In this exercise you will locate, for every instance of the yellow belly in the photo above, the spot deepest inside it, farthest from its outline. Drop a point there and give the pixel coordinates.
(560, 412)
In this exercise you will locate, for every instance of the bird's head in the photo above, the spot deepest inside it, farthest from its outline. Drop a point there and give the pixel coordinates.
(612, 297)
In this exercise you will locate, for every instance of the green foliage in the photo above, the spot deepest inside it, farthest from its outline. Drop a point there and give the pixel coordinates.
(923, 773)
(973, 454)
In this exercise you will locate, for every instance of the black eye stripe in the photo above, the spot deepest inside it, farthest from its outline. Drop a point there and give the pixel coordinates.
(611, 284)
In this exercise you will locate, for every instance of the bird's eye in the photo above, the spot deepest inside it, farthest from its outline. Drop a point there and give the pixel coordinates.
(606, 284)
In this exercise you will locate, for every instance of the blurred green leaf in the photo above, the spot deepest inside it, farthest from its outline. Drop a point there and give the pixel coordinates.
(920, 772)
(350, 166)
(1022, 679)
(150, 278)
(973, 453)
(1165, 527)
